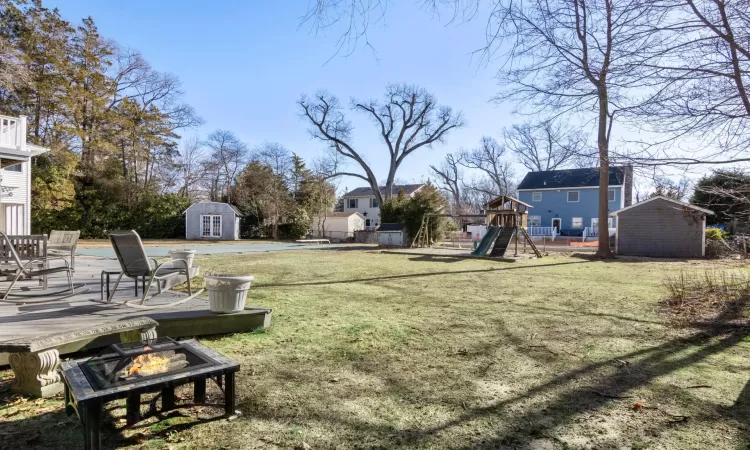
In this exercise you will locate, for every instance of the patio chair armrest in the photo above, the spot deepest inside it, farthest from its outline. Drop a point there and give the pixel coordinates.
(45, 259)
(170, 265)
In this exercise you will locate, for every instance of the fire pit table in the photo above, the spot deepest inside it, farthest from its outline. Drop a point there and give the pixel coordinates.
(129, 370)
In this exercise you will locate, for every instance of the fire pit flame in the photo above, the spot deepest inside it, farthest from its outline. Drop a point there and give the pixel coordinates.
(148, 364)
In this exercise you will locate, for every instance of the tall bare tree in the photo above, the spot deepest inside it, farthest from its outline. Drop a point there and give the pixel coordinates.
(490, 158)
(560, 57)
(408, 119)
(701, 74)
(190, 167)
(546, 145)
(449, 179)
(227, 156)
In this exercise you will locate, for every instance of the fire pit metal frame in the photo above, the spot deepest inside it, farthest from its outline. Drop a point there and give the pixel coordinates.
(84, 400)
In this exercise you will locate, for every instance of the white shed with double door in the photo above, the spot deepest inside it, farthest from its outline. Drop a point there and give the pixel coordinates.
(212, 221)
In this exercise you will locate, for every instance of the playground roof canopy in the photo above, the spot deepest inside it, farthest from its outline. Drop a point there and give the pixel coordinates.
(503, 199)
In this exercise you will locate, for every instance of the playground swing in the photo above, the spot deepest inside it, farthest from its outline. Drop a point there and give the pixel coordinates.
(506, 219)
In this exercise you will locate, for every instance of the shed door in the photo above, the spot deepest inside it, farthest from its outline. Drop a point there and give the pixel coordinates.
(211, 226)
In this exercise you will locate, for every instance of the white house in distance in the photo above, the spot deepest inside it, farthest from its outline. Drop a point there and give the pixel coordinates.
(15, 175)
(337, 225)
(363, 201)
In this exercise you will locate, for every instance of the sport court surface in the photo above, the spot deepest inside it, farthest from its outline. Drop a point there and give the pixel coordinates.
(202, 248)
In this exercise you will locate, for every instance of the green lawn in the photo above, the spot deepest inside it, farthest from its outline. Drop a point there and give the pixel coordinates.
(371, 350)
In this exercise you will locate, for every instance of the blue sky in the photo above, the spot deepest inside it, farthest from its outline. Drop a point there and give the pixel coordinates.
(243, 65)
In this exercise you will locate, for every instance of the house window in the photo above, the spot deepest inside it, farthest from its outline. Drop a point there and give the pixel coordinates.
(373, 203)
(211, 226)
(367, 222)
(534, 221)
(573, 196)
(536, 196)
(611, 195)
(353, 202)
(577, 222)
(14, 168)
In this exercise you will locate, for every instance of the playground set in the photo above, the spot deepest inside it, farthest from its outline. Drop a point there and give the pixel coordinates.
(506, 219)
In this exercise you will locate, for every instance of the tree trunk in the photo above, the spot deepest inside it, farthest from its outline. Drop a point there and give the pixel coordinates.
(603, 250)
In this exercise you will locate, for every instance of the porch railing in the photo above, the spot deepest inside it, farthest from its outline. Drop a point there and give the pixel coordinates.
(593, 232)
(13, 132)
(542, 231)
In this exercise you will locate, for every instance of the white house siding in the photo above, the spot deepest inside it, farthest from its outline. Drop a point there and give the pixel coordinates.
(337, 227)
(15, 203)
(364, 208)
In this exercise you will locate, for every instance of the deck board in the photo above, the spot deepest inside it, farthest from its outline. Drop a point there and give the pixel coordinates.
(192, 318)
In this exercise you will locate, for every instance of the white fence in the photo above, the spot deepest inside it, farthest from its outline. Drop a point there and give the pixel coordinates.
(12, 132)
(542, 231)
(590, 232)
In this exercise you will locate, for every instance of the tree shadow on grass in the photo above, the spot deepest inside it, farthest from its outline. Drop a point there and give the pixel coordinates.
(416, 275)
(564, 398)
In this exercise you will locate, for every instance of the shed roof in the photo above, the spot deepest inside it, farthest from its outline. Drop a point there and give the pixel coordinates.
(661, 197)
(367, 191)
(570, 178)
(391, 227)
(234, 208)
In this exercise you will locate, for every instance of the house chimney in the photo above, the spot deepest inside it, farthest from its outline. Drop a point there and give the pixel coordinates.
(628, 185)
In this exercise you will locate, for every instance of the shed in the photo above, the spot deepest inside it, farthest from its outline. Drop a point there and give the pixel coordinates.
(391, 234)
(661, 227)
(338, 225)
(212, 221)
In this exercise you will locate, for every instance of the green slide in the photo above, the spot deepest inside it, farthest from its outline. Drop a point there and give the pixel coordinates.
(486, 243)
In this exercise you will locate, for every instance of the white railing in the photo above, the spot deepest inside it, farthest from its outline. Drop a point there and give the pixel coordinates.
(13, 132)
(542, 231)
(590, 232)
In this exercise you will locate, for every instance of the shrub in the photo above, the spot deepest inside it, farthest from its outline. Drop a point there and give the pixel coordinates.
(716, 234)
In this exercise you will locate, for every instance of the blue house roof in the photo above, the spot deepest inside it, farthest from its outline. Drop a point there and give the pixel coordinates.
(570, 178)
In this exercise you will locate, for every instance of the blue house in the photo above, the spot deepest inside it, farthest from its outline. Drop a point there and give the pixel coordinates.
(567, 200)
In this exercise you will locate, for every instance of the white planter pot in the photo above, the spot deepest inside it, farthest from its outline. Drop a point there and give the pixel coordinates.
(180, 256)
(227, 293)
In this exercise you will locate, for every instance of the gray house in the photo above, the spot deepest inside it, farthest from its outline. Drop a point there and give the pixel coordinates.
(661, 227)
(212, 221)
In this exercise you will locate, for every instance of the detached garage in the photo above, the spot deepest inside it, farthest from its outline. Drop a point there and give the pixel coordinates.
(662, 228)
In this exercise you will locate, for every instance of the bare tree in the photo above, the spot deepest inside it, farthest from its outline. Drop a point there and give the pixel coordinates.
(546, 145)
(279, 160)
(666, 187)
(409, 118)
(450, 178)
(227, 156)
(701, 74)
(490, 159)
(190, 166)
(563, 57)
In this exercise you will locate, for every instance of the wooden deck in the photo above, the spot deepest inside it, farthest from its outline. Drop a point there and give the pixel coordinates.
(188, 319)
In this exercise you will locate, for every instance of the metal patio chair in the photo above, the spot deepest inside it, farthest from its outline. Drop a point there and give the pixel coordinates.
(136, 264)
(36, 266)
